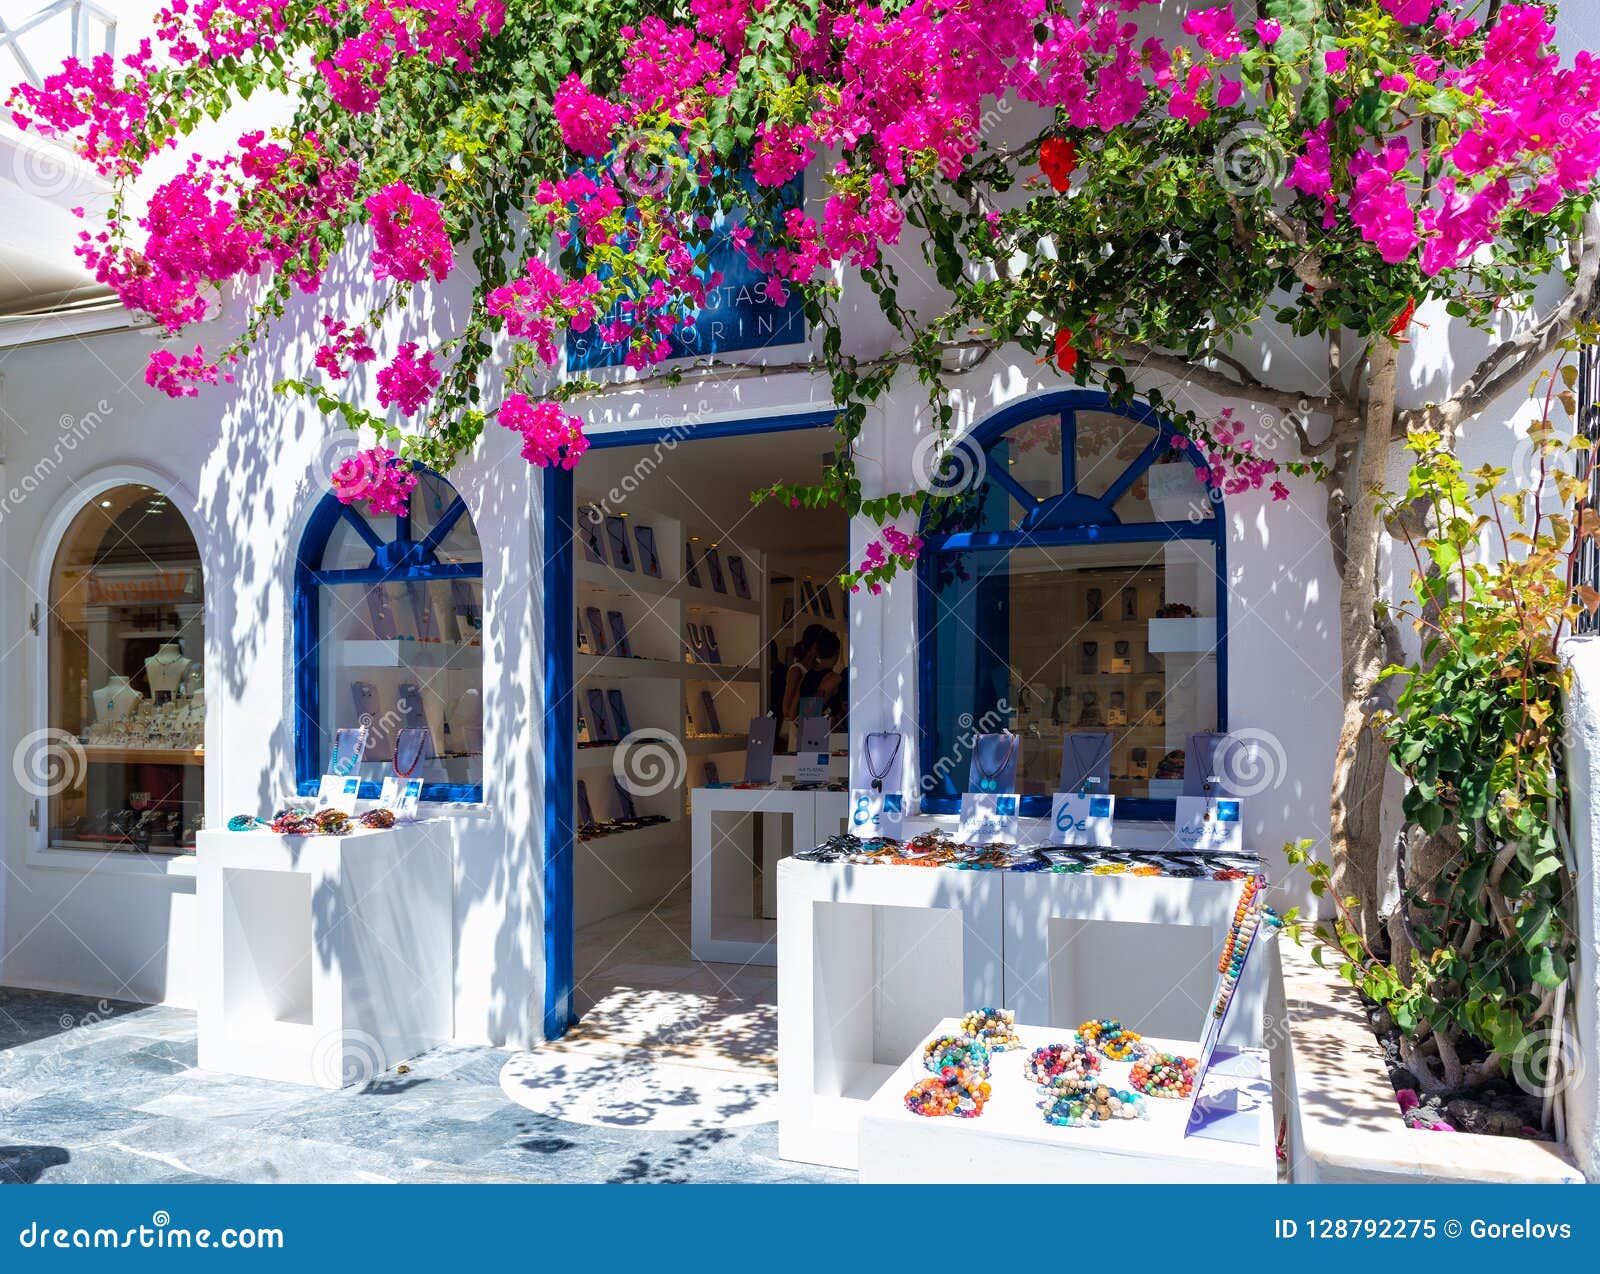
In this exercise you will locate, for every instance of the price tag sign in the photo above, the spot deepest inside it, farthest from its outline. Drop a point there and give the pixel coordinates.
(812, 767)
(400, 796)
(876, 813)
(338, 792)
(988, 818)
(1213, 824)
(1077, 818)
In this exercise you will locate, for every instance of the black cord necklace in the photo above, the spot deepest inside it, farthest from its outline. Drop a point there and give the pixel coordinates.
(877, 773)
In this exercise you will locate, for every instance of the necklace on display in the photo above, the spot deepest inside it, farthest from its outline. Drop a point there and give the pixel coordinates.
(989, 778)
(1085, 756)
(878, 772)
(418, 739)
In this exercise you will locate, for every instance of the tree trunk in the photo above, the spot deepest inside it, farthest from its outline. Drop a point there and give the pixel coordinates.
(1360, 763)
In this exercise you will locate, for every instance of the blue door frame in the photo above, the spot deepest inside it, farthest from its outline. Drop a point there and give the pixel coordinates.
(560, 727)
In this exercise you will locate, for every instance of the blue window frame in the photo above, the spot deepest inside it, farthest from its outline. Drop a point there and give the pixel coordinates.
(1060, 495)
(350, 569)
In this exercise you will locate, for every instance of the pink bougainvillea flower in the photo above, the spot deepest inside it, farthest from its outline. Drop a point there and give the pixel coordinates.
(377, 476)
(1268, 30)
(408, 381)
(586, 119)
(410, 240)
(550, 436)
(1335, 60)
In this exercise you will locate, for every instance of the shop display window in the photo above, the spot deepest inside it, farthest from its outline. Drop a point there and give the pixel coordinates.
(125, 766)
(389, 635)
(1075, 587)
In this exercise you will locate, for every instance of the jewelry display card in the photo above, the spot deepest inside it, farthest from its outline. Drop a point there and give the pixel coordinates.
(381, 614)
(1201, 764)
(812, 767)
(619, 713)
(876, 813)
(758, 750)
(597, 629)
(713, 655)
(697, 643)
(649, 560)
(400, 796)
(994, 763)
(1086, 762)
(713, 726)
(814, 734)
(1080, 819)
(691, 571)
(599, 724)
(617, 537)
(714, 569)
(825, 596)
(741, 585)
(988, 818)
(589, 524)
(338, 792)
(619, 634)
(1209, 824)
(585, 810)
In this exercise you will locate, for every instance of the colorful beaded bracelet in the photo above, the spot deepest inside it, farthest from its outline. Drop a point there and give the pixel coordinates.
(1056, 1065)
(995, 1028)
(245, 823)
(1111, 1039)
(945, 1053)
(378, 818)
(1164, 1075)
(1091, 1103)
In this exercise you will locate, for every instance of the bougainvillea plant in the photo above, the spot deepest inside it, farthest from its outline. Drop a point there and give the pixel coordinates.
(1073, 179)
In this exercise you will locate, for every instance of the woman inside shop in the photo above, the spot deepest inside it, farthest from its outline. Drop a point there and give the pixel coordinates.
(821, 681)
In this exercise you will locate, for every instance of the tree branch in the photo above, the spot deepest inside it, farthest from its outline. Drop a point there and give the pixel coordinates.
(1511, 361)
(1241, 385)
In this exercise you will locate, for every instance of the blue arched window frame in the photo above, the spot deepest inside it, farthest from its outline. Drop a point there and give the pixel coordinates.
(400, 560)
(1065, 519)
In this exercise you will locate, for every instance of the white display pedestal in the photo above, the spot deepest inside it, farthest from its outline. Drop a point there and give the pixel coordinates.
(867, 957)
(1010, 1143)
(1141, 949)
(724, 926)
(327, 959)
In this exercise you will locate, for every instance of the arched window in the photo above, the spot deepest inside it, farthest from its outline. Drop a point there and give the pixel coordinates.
(1076, 585)
(388, 629)
(122, 761)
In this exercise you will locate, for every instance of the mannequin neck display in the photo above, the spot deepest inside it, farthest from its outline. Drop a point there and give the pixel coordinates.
(115, 700)
(465, 723)
(166, 669)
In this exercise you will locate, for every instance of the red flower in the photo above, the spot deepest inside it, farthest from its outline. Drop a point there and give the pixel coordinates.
(1058, 157)
(1403, 319)
(1066, 355)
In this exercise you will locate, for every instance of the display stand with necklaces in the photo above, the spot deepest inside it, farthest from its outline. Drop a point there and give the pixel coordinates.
(880, 751)
(166, 670)
(402, 790)
(994, 763)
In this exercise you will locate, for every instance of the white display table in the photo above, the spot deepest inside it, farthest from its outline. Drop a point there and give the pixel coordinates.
(327, 959)
(867, 958)
(870, 955)
(724, 924)
(1010, 1143)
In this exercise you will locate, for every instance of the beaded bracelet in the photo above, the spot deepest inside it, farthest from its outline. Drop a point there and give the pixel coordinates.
(246, 823)
(1090, 1103)
(379, 817)
(332, 822)
(1164, 1075)
(931, 1098)
(1111, 1039)
(955, 1053)
(996, 1028)
(1058, 1065)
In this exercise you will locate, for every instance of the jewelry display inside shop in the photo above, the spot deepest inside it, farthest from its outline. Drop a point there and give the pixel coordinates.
(331, 812)
(938, 849)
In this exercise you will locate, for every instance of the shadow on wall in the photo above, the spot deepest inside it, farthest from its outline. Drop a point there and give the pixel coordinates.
(24, 1165)
(252, 495)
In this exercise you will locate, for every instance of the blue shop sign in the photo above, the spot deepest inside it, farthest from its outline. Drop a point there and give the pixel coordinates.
(739, 313)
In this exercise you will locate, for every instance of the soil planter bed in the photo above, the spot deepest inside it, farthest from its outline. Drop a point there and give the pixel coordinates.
(1343, 1121)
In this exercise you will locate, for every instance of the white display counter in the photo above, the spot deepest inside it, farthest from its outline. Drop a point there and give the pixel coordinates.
(1010, 1143)
(725, 924)
(870, 956)
(327, 958)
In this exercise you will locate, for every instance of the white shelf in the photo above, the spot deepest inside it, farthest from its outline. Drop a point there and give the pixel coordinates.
(601, 757)
(674, 669)
(607, 579)
(708, 599)
(397, 653)
(637, 838)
